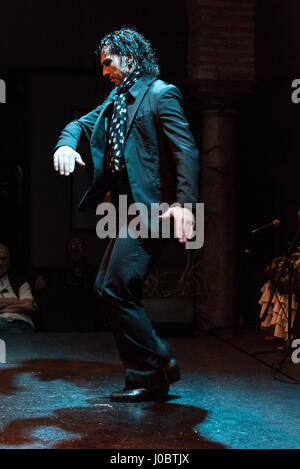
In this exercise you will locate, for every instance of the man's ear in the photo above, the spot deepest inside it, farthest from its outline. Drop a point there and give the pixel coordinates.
(130, 60)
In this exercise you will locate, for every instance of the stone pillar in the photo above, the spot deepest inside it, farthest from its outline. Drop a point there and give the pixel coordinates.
(217, 191)
(220, 73)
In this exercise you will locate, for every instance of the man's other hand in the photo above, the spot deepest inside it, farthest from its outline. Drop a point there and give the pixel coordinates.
(184, 222)
(64, 160)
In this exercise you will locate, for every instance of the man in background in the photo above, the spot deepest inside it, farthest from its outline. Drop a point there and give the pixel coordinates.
(64, 293)
(16, 300)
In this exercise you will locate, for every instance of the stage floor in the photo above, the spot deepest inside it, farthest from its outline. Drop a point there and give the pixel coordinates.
(54, 393)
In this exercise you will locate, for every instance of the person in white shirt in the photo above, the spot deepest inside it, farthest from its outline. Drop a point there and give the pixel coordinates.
(16, 300)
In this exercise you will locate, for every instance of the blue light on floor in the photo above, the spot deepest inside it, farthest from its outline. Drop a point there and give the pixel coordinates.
(53, 433)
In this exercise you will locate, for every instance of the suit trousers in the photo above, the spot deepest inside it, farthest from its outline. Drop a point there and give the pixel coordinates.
(119, 284)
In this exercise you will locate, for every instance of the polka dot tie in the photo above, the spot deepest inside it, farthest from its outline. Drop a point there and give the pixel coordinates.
(118, 122)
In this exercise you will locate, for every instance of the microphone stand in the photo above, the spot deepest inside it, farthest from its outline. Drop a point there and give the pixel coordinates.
(243, 253)
(290, 268)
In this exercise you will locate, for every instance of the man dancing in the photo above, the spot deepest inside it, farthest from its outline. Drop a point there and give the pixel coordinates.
(141, 147)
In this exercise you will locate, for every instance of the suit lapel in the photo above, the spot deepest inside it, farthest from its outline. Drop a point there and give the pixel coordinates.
(110, 99)
(98, 138)
(138, 91)
(100, 123)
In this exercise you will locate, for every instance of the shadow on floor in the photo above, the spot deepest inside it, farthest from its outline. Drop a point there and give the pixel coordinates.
(80, 373)
(267, 349)
(91, 422)
(157, 425)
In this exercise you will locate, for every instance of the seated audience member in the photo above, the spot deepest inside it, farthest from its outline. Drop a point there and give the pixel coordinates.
(16, 300)
(65, 293)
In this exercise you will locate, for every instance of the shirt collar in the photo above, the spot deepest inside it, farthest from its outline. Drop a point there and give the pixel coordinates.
(4, 279)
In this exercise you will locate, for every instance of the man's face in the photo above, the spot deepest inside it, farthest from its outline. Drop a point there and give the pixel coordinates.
(76, 250)
(4, 260)
(115, 67)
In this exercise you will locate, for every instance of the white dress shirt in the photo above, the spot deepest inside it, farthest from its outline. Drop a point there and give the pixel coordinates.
(6, 290)
(24, 292)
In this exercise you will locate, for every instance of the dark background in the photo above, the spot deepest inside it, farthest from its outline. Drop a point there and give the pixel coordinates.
(269, 147)
(47, 60)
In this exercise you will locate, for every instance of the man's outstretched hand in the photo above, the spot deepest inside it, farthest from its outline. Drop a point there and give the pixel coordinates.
(64, 160)
(184, 222)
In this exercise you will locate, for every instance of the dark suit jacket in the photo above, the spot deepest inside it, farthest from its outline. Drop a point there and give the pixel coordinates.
(160, 153)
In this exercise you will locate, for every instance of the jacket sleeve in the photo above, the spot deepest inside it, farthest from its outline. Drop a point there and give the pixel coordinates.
(182, 144)
(78, 130)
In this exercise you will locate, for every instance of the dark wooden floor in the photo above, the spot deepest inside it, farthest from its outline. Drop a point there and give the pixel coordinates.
(54, 393)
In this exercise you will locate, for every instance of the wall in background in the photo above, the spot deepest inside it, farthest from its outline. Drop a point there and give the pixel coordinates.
(53, 44)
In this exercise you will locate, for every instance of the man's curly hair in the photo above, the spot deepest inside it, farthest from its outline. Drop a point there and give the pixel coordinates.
(127, 41)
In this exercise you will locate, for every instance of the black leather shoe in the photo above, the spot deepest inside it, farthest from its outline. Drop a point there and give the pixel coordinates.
(156, 393)
(172, 371)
